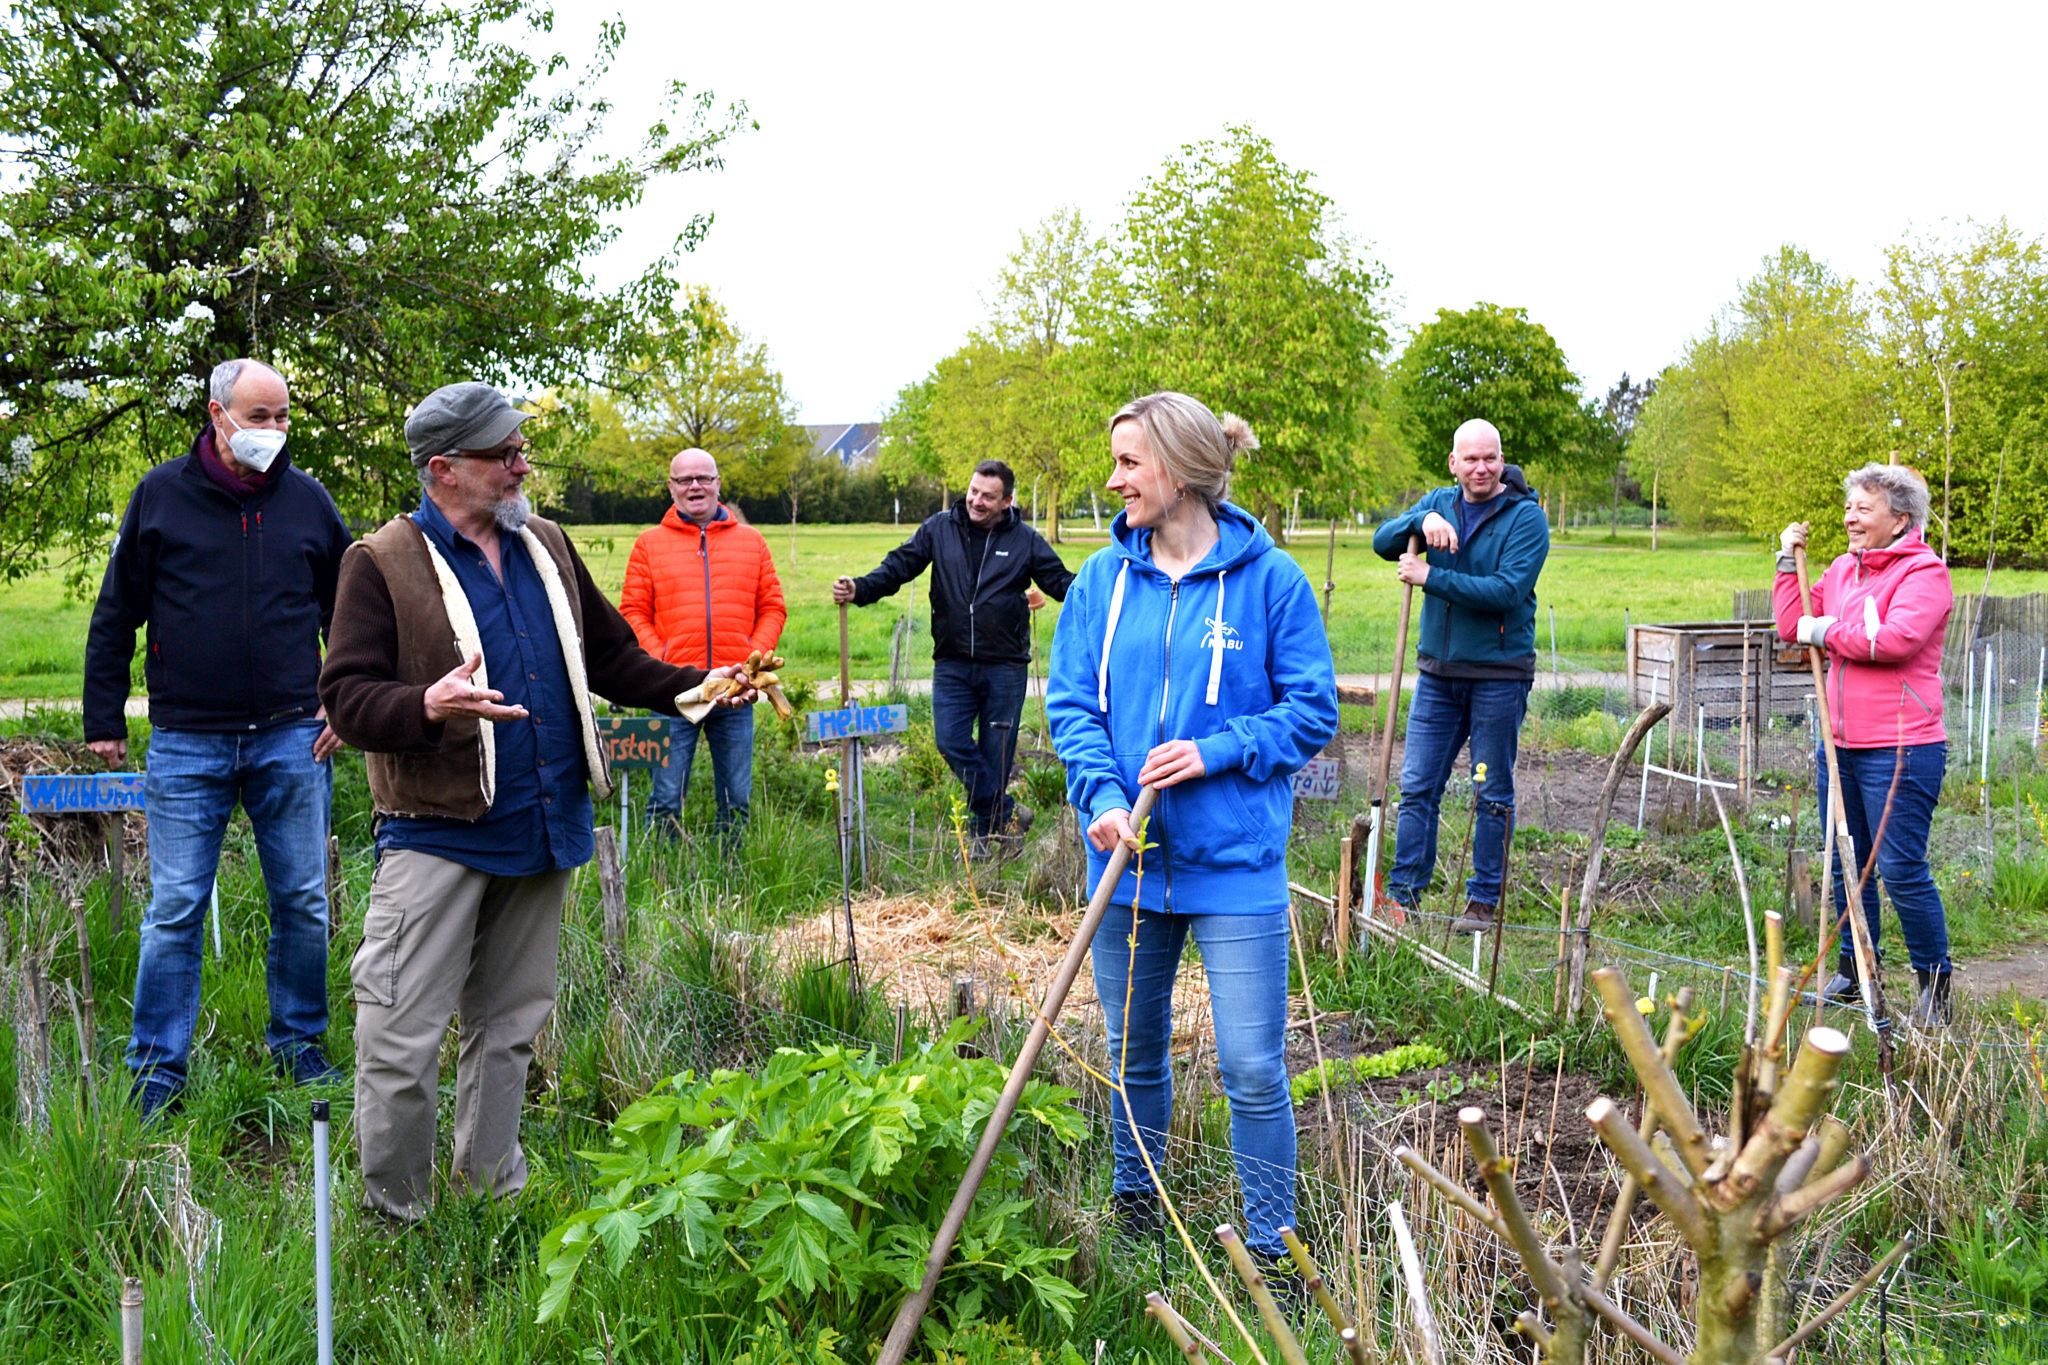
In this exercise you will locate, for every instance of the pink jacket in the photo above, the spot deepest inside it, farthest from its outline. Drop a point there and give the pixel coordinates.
(1884, 650)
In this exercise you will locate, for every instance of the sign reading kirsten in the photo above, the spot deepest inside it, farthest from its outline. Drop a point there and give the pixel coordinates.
(635, 741)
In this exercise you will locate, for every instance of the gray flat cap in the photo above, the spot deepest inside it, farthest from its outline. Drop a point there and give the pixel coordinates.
(468, 416)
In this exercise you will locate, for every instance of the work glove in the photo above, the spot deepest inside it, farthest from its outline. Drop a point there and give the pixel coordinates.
(1790, 538)
(1813, 630)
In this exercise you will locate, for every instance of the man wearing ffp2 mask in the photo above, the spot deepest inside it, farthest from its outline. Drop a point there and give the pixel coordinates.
(228, 558)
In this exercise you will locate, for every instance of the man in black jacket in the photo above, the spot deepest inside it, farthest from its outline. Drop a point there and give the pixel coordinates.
(228, 557)
(983, 558)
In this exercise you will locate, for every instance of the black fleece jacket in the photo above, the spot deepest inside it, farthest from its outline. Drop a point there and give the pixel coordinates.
(978, 582)
(235, 597)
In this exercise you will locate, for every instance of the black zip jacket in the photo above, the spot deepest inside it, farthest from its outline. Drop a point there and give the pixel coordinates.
(978, 582)
(235, 597)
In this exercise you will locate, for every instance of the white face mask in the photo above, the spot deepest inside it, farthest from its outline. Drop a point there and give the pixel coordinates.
(257, 448)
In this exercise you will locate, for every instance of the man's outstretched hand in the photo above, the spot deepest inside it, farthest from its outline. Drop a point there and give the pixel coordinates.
(457, 695)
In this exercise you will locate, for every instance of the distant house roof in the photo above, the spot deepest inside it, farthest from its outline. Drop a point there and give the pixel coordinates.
(851, 442)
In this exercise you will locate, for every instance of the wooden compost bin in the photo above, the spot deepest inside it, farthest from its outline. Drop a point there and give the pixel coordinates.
(1698, 665)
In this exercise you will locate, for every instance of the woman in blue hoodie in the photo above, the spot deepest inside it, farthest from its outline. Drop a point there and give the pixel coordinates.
(1191, 657)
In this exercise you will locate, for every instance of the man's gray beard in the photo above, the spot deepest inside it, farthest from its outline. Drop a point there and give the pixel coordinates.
(512, 513)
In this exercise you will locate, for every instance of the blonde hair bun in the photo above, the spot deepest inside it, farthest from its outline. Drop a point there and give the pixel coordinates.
(1238, 434)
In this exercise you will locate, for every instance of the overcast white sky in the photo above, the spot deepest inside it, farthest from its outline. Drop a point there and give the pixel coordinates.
(1617, 170)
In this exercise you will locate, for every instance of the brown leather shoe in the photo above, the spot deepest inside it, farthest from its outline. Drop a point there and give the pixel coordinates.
(1479, 918)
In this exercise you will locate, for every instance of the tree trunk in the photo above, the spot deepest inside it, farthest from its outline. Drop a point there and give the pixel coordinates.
(1053, 521)
(1653, 507)
(1275, 521)
(1614, 523)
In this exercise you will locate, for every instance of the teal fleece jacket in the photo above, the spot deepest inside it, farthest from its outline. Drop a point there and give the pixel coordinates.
(1233, 657)
(1479, 605)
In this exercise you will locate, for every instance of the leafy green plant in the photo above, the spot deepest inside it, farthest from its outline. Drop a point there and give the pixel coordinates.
(1395, 1061)
(811, 1191)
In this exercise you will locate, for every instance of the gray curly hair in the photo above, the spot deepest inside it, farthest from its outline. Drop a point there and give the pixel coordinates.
(1904, 491)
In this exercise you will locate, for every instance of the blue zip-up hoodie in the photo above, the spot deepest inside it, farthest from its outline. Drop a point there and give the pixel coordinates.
(1479, 605)
(1233, 657)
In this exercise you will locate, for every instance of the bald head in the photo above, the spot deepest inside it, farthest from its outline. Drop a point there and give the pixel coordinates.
(693, 485)
(1476, 460)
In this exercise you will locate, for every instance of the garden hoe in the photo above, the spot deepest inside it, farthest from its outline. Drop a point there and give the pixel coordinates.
(904, 1329)
(1372, 884)
(1844, 846)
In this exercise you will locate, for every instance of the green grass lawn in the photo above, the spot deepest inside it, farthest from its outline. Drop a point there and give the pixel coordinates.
(1592, 579)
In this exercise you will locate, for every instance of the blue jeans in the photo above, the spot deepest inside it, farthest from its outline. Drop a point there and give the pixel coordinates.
(729, 731)
(1902, 858)
(1246, 960)
(1442, 715)
(963, 693)
(191, 786)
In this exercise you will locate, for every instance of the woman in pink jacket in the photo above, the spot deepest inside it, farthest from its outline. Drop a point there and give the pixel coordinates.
(1878, 615)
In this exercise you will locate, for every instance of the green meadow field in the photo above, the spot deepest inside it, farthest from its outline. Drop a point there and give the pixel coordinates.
(1592, 579)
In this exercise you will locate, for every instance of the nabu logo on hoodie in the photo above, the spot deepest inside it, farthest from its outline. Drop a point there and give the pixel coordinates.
(1231, 639)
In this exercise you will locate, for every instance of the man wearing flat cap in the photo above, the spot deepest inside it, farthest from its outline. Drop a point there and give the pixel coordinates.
(468, 642)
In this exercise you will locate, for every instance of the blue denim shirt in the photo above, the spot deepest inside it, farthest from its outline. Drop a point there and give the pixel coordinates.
(540, 817)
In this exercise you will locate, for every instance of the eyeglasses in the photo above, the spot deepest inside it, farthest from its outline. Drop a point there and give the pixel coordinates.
(504, 454)
(694, 480)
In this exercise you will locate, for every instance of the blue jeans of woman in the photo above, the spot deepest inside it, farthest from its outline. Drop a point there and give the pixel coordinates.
(1902, 857)
(1442, 715)
(1245, 957)
(730, 733)
(193, 781)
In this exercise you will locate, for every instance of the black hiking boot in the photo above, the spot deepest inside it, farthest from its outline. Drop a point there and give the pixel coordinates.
(1934, 1009)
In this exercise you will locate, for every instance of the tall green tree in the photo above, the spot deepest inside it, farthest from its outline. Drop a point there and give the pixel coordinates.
(1229, 279)
(1493, 362)
(376, 198)
(1963, 321)
(700, 381)
(1771, 405)
(1014, 391)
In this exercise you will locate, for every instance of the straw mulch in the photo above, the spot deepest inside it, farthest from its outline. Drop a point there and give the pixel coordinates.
(915, 947)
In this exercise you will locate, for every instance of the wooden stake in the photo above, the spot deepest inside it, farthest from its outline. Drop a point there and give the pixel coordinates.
(1330, 574)
(1844, 846)
(611, 885)
(117, 872)
(904, 1330)
(1341, 930)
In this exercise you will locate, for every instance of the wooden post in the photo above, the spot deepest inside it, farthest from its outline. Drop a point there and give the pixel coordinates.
(611, 885)
(89, 1028)
(1742, 758)
(1799, 886)
(1341, 930)
(117, 872)
(1330, 574)
(333, 883)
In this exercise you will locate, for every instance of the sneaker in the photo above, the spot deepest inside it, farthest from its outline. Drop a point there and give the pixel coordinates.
(1934, 1008)
(308, 1065)
(1479, 918)
(157, 1100)
(1842, 989)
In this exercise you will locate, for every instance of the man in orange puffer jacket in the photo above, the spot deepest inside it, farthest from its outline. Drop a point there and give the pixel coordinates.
(701, 586)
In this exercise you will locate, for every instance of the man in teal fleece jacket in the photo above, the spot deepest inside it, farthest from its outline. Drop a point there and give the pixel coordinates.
(1486, 539)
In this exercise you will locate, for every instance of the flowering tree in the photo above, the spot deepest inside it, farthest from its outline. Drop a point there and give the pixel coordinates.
(375, 198)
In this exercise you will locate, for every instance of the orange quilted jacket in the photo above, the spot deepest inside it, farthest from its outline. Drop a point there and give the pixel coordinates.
(703, 596)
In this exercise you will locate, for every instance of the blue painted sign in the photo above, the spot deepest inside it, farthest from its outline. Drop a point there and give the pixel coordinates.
(855, 722)
(635, 741)
(81, 793)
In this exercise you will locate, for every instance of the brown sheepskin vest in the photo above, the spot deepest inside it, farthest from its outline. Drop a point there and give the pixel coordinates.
(436, 633)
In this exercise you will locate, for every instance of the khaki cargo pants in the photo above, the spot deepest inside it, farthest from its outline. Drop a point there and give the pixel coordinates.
(442, 940)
